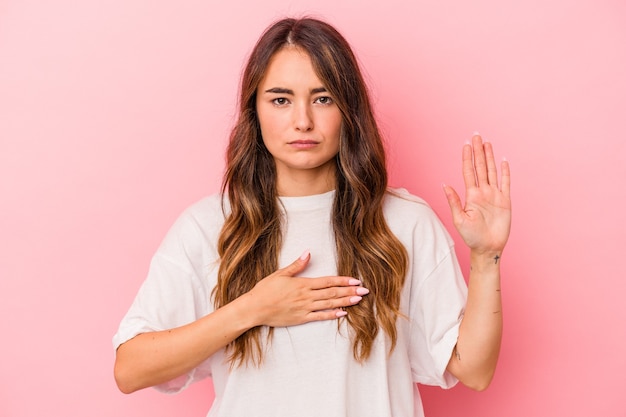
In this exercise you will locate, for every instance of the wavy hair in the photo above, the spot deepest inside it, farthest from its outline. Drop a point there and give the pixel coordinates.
(250, 240)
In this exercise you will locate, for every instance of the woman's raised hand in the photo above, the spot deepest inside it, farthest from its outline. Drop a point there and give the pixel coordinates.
(484, 222)
(284, 299)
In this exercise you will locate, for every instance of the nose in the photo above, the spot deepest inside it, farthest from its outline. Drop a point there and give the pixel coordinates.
(303, 120)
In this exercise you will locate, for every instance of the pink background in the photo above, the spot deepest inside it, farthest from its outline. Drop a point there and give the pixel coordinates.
(114, 116)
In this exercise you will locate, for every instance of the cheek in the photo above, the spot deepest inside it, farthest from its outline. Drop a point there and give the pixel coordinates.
(270, 124)
(335, 125)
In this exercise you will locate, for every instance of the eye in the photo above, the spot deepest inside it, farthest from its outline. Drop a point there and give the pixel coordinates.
(324, 100)
(280, 101)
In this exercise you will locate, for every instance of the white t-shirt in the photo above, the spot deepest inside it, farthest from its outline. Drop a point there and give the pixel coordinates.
(309, 370)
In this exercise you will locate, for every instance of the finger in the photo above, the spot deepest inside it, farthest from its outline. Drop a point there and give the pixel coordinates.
(334, 303)
(454, 201)
(469, 175)
(329, 282)
(492, 170)
(298, 265)
(325, 315)
(480, 164)
(339, 292)
(506, 178)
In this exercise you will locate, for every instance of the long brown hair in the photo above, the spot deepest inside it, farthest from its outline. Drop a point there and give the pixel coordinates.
(250, 240)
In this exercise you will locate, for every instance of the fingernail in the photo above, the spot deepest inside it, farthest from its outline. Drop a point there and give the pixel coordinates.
(341, 313)
(355, 299)
(476, 133)
(504, 159)
(354, 281)
(362, 291)
(304, 255)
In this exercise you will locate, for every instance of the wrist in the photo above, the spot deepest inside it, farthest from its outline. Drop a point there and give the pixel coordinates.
(244, 312)
(485, 259)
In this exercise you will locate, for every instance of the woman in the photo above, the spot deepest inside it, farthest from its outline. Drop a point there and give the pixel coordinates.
(375, 303)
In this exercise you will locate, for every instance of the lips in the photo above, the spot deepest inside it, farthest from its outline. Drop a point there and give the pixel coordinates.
(303, 144)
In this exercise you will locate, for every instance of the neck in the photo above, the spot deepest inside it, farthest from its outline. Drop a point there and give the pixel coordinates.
(299, 183)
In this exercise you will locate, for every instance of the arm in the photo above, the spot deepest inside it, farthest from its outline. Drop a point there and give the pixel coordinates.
(281, 299)
(484, 223)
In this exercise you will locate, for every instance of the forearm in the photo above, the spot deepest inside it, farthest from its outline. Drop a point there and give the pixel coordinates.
(156, 357)
(279, 300)
(475, 356)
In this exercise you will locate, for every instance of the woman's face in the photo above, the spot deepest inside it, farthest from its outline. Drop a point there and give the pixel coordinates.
(300, 122)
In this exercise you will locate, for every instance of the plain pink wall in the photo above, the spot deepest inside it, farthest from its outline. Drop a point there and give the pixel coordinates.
(114, 116)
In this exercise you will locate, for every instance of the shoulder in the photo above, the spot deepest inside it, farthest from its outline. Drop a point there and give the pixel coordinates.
(399, 202)
(206, 211)
(197, 227)
(409, 215)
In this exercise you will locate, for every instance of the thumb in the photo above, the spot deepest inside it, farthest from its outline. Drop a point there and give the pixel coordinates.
(454, 201)
(298, 265)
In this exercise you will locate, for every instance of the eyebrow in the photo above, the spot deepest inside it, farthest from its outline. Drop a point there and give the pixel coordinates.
(280, 90)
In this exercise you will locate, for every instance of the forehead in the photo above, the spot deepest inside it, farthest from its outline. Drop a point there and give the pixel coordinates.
(290, 66)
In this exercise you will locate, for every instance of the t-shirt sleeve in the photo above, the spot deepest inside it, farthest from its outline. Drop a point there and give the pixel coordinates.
(437, 291)
(439, 304)
(174, 293)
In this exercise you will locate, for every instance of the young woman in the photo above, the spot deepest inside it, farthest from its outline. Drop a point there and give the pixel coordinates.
(308, 287)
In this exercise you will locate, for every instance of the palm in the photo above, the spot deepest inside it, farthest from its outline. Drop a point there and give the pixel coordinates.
(484, 221)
